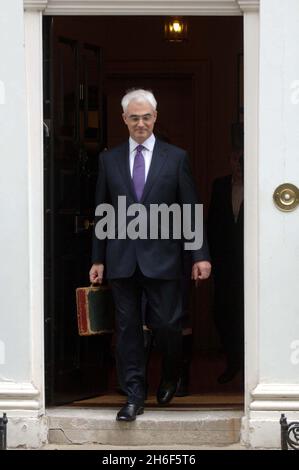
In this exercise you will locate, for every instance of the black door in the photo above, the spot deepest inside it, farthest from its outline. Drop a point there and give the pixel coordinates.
(76, 367)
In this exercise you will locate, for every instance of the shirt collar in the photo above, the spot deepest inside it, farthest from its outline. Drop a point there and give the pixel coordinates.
(148, 143)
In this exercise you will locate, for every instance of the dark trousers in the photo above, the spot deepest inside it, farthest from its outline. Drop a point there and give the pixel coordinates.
(229, 311)
(164, 317)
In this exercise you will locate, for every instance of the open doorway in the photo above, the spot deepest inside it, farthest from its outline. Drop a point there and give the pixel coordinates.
(89, 63)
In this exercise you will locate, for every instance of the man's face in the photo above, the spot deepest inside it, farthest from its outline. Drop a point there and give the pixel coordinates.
(140, 117)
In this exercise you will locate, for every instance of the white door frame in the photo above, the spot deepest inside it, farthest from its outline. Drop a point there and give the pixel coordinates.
(34, 10)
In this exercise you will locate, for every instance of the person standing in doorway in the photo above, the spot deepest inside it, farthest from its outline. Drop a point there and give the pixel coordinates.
(145, 171)
(225, 235)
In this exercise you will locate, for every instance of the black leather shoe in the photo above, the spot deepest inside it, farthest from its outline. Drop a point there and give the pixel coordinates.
(129, 412)
(166, 392)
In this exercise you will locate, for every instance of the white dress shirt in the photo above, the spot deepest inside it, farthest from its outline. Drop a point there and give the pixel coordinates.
(147, 152)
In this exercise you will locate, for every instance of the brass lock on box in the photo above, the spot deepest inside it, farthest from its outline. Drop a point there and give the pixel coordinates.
(286, 197)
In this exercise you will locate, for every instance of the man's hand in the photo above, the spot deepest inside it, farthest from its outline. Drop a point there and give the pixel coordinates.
(96, 273)
(200, 271)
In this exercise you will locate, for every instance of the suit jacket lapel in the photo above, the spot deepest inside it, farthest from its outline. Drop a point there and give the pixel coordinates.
(124, 166)
(159, 157)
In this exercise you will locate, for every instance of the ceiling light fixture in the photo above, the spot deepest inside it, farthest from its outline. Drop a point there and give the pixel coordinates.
(175, 29)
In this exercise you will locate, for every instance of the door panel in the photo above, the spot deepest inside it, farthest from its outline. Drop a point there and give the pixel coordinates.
(66, 74)
(76, 367)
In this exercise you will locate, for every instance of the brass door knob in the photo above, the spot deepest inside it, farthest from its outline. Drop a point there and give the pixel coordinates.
(286, 197)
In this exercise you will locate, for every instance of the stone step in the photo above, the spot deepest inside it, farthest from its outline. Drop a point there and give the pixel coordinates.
(154, 427)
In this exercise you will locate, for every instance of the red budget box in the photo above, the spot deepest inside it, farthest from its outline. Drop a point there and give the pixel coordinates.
(95, 310)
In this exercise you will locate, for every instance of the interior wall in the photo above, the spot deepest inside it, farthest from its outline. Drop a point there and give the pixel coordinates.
(216, 40)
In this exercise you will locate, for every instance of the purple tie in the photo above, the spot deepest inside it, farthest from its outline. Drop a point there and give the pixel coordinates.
(139, 172)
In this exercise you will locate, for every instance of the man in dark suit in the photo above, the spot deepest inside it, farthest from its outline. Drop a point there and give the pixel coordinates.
(225, 235)
(146, 171)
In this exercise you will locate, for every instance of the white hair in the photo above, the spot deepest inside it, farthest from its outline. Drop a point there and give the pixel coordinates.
(140, 96)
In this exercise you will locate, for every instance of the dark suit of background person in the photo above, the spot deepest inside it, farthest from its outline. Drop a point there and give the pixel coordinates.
(150, 265)
(225, 235)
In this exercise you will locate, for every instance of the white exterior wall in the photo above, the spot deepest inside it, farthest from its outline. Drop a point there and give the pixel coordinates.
(271, 237)
(279, 231)
(21, 388)
(278, 241)
(14, 253)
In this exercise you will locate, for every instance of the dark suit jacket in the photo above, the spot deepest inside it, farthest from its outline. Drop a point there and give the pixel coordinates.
(224, 234)
(168, 181)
